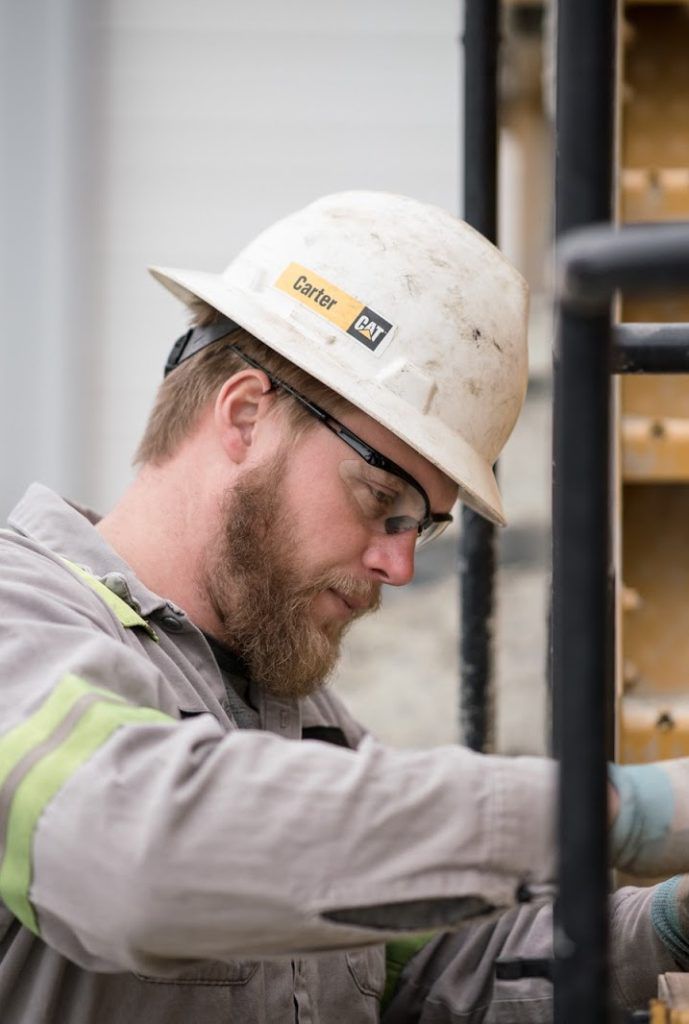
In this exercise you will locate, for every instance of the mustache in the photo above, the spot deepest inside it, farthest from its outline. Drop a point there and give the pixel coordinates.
(365, 593)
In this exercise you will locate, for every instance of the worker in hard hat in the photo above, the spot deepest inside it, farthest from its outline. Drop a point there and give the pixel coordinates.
(168, 851)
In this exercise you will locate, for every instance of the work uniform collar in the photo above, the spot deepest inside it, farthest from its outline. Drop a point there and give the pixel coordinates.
(68, 530)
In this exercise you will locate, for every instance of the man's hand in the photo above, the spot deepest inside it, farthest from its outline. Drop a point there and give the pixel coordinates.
(649, 816)
(613, 804)
(648, 809)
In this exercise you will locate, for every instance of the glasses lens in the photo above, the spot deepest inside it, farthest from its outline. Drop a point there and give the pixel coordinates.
(388, 503)
(430, 533)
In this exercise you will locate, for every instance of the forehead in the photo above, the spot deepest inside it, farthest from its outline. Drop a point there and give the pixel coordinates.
(441, 491)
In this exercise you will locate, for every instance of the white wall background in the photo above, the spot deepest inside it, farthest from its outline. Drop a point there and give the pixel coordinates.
(170, 132)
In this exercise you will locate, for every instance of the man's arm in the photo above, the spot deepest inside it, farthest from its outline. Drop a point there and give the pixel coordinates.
(133, 840)
(452, 976)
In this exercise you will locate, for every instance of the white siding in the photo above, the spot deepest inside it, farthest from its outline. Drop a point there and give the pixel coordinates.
(220, 117)
(164, 131)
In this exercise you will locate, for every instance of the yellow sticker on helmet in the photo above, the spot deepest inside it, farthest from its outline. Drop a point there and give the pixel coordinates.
(330, 302)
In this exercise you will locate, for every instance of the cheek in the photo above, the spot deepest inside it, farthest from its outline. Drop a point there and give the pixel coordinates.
(326, 533)
(325, 529)
(327, 538)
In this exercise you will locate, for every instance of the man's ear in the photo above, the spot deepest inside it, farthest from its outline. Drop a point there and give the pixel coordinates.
(242, 401)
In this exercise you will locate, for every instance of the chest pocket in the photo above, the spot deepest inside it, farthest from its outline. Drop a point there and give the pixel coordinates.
(209, 972)
(524, 1001)
(367, 968)
(208, 991)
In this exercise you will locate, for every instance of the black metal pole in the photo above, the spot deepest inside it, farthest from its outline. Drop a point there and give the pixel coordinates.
(585, 112)
(581, 652)
(477, 543)
(581, 620)
(481, 36)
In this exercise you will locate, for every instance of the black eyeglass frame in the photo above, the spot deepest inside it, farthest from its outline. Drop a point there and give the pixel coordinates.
(197, 338)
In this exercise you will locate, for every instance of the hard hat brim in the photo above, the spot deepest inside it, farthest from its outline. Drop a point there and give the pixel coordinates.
(442, 446)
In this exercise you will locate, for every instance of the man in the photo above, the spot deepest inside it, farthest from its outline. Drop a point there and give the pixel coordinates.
(167, 851)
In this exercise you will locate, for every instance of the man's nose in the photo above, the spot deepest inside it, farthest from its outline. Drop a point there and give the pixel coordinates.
(391, 557)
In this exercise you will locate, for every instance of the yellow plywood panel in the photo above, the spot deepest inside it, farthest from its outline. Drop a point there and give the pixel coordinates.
(673, 990)
(654, 193)
(655, 556)
(661, 1013)
(653, 729)
(653, 502)
(655, 448)
(666, 310)
(656, 395)
(656, 94)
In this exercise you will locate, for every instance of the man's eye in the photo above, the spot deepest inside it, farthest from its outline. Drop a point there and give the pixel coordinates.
(375, 497)
(384, 499)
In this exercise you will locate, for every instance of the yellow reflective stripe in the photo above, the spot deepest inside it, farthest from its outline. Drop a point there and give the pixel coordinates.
(44, 778)
(398, 953)
(35, 730)
(122, 611)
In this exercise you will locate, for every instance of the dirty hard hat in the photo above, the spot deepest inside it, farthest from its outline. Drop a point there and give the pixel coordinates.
(402, 309)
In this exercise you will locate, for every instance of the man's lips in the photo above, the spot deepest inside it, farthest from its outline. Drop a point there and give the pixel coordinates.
(355, 604)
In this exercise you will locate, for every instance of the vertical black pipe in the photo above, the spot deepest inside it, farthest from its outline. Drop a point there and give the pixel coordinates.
(580, 666)
(481, 21)
(477, 544)
(585, 112)
(581, 633)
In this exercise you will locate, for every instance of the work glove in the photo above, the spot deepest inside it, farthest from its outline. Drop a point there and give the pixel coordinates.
(670, 917)
(650, 834)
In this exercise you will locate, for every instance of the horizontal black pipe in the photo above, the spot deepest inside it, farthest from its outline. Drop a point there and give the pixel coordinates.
(650, 348)
(595, 262)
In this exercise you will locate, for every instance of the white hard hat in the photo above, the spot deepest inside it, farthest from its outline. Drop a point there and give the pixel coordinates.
(399, 307)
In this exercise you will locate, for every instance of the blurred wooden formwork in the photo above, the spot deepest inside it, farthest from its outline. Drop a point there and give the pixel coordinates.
(651, 527)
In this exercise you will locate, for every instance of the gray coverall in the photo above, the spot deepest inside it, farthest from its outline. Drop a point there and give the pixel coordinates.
(160, 865)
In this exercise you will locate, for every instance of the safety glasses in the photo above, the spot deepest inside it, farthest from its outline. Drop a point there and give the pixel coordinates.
(388, 498)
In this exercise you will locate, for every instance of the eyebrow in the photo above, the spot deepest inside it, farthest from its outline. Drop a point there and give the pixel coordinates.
(392, 478)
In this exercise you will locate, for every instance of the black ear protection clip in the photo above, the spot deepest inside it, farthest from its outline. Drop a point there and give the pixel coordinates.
(197, 338)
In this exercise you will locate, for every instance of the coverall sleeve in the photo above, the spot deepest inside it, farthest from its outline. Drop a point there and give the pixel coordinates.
(452, 978)
(131, 840)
